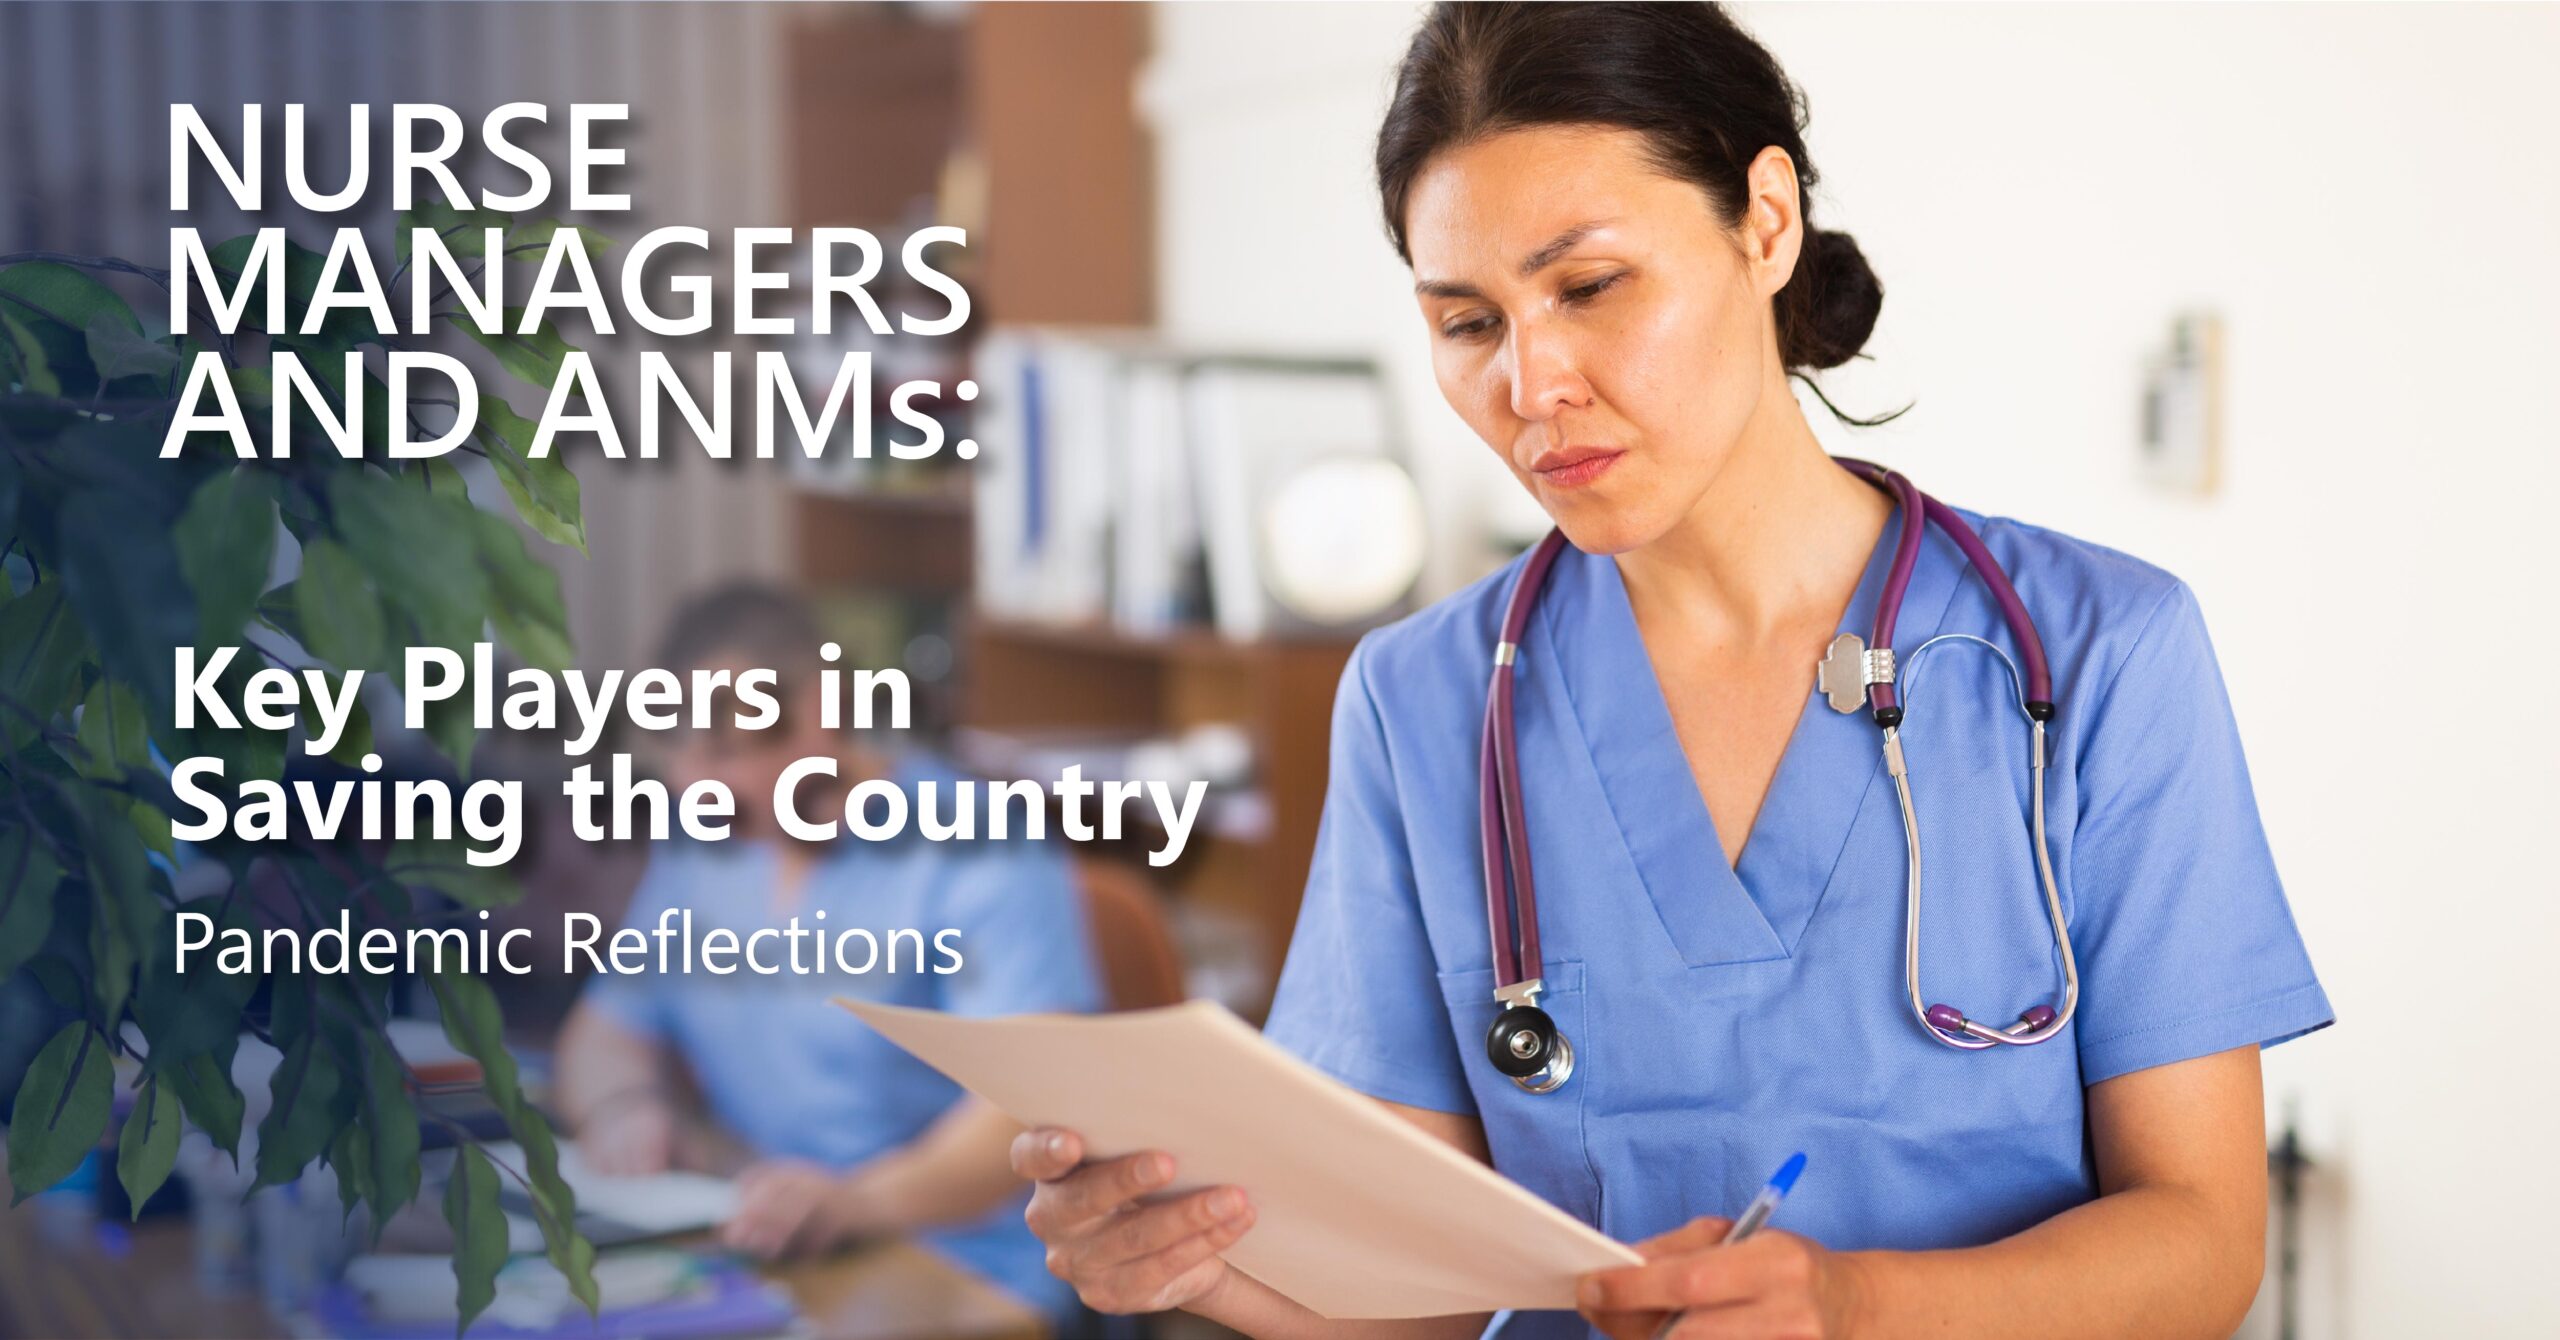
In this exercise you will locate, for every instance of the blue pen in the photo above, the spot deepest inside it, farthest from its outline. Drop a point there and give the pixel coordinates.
(1754, 1217)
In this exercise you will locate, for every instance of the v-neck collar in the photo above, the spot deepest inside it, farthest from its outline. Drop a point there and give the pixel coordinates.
(1715, 912)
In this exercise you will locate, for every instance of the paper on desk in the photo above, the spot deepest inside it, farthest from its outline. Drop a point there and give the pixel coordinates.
(1357, 1213)
(654, 1203)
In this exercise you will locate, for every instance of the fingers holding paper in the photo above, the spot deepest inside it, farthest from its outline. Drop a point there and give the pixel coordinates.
(1774, 1286)
(1122, 1254)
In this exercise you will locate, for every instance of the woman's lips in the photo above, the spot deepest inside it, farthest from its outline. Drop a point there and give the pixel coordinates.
(1574, 467)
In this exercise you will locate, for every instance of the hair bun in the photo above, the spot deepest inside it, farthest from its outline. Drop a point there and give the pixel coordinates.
(1828, 309)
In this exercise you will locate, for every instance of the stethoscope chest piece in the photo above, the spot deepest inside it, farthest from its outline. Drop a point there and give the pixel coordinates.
(1525, 1044)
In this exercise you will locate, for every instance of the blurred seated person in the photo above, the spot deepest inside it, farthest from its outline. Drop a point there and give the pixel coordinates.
(846, 1135)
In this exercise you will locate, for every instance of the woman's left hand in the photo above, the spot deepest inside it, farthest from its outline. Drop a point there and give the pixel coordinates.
(783, 1207)
(1774, 1286)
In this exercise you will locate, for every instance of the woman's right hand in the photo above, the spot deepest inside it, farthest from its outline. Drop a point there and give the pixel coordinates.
(1122, 1256)
(631, 1138)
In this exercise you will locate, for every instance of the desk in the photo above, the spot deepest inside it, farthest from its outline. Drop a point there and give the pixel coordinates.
(76, 1290)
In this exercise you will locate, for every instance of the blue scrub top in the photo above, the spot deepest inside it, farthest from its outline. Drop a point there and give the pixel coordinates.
(796, 1077)
(1725, 1016)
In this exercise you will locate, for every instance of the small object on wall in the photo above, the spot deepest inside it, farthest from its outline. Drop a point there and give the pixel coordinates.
(2182, 408)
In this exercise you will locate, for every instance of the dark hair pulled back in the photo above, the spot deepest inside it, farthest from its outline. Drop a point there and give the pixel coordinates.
(1704, 93)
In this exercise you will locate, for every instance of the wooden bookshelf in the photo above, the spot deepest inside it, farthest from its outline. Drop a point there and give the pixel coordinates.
(1034, 678)
(913, 543)
(1045, 111)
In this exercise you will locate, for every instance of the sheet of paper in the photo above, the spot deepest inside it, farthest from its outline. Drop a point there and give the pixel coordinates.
(1357, 1214)
(668, 1202)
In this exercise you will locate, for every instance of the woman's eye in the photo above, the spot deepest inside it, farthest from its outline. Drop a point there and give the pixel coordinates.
(1467, 329)
(1581, 293)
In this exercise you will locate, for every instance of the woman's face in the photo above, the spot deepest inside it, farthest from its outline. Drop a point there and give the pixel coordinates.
(1596, 323)
(750, 763)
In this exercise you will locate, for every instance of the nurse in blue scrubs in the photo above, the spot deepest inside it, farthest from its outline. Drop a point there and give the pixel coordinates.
(836, 1134)
(1609, 222)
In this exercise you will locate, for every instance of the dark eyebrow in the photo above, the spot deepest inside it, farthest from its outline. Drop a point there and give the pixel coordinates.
(1558, 245)
(1535, 261)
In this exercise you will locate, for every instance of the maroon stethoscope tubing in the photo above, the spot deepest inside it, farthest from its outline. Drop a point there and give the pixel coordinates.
(1510, 892)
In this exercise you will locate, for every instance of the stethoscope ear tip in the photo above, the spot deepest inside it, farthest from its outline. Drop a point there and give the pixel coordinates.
(2033, 1026)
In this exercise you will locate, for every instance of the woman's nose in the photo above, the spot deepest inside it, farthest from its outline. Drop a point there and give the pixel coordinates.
(1546, 376)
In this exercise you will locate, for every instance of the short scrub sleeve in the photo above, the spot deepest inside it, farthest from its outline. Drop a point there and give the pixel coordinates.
(1359, 996)
(639, 1002)
(1021, 923)
(2186, 944)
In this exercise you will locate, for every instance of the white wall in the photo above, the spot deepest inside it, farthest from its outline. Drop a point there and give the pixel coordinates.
(2369, 196)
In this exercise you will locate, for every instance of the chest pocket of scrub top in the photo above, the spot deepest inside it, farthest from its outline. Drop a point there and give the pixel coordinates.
(1536, 1139)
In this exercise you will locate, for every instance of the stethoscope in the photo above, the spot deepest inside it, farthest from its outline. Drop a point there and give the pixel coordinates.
(1524, 1042)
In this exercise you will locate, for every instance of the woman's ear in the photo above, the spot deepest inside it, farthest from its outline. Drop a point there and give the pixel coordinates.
(1773, 219)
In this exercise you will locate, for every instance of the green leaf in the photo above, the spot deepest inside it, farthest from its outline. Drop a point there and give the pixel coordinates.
(450, 727)
(302, 1118)
(324, 357)
(28, 877)
(111, 965)
(119, 873)
(544, 491)
(281, 609)
(341, 616)
(61, 1110)
(391, 1131)
(555, 1207)
(42, 647)
(147, 1147)
(525, 608)
(26, 358)
(125, 582)
(472, 1023)
(533, 356)
(479, 1233)
(226, 542)
(351, 1155)
(250, 751)
(302, 267)
(418, 548)
(64, 294)
(114, 740)
(152, 826)
(58, 304)
(12, 484)
(211, 1100)
(117, 352)
(197, 1012)
(126, 921)
(442, 479)
(354, 742)
(114, 735)
(443, 867)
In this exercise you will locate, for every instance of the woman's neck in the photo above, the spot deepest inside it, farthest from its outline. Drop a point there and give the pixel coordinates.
(1779, 539)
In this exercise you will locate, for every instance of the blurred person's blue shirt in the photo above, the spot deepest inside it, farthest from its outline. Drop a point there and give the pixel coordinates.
(793, 1076)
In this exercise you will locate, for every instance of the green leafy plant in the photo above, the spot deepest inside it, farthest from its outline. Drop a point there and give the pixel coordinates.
(114, 559)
